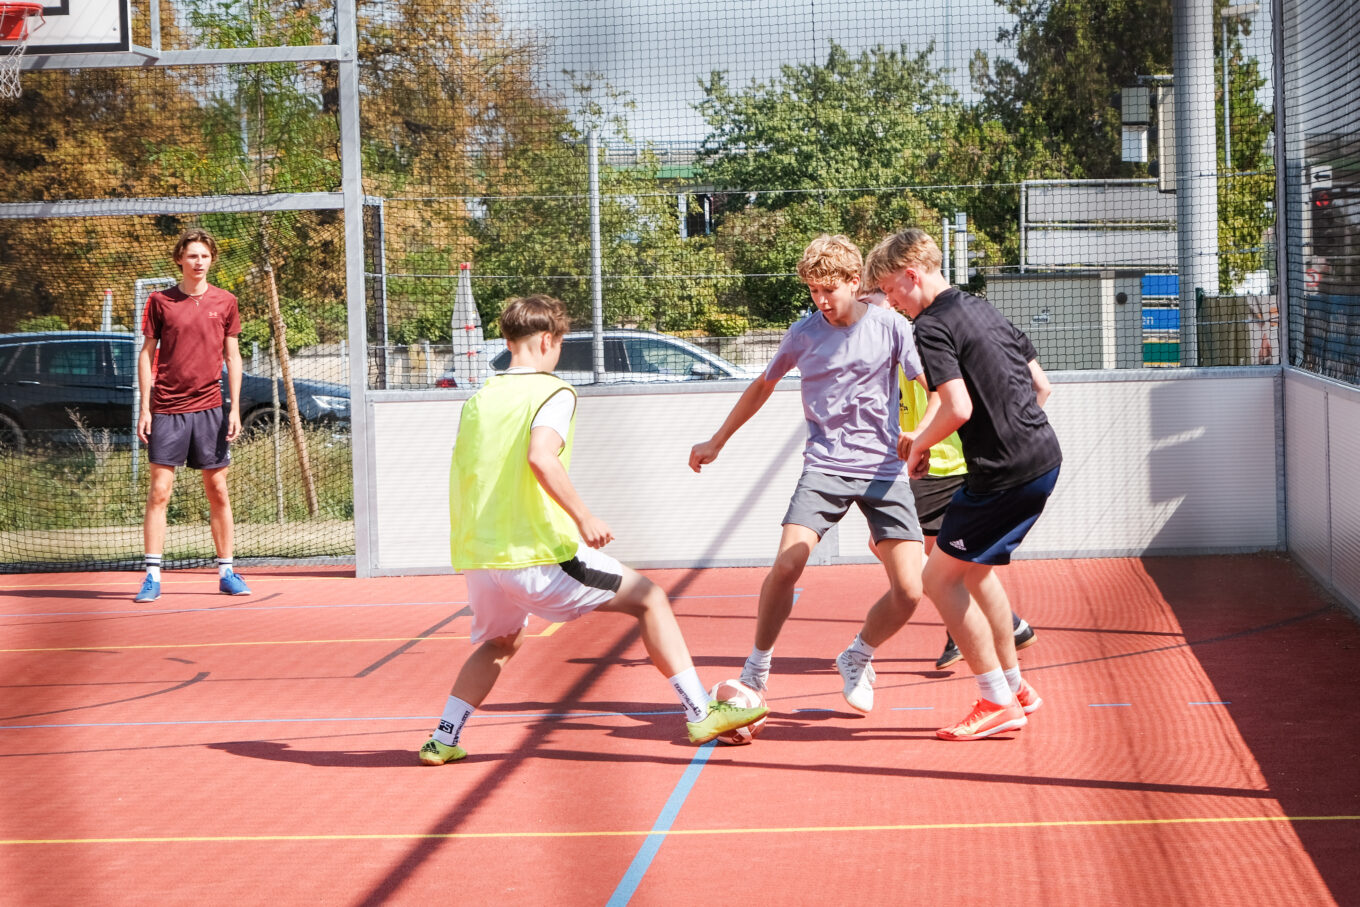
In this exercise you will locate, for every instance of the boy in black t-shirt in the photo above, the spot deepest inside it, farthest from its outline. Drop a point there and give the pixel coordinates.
(991, 390)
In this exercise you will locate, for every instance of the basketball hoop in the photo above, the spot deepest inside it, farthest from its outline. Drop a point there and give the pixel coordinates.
(16, 24)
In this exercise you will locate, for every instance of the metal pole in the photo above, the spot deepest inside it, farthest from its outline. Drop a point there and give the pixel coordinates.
(945, 228)
(351, 176)
(961, 248)
(1283, 237)
(138, 306)
(596, 268)
(1227, 120)
(1282, 279)
(385, 353)
(1196, 164)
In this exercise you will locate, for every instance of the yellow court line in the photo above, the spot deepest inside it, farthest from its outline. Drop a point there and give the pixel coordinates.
(688, 832)
(98, 647)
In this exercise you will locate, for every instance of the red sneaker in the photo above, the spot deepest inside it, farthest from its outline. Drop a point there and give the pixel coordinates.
(1028, 697)
(986, 719)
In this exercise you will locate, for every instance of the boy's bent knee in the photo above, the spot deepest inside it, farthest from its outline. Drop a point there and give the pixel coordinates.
(637, 595)
(504, 646)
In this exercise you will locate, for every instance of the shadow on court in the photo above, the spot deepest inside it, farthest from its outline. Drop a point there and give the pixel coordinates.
(1288, 670)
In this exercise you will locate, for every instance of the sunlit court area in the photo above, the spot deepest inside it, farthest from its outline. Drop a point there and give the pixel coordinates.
(1163, 196)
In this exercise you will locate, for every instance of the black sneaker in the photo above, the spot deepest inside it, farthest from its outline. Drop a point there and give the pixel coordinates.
(951, 653)
(1024, 636)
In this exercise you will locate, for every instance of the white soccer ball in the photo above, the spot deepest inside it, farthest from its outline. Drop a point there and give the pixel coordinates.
(739, 694)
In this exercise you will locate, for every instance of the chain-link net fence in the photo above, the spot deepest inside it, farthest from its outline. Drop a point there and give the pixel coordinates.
(1323, 205)
(1035, 140)
(1030, 139)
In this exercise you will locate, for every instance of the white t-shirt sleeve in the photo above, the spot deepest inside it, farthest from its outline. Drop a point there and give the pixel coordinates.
(556, 413)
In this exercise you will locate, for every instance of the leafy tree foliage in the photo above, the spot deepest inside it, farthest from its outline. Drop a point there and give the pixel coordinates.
(1060, 94)
(847, 146)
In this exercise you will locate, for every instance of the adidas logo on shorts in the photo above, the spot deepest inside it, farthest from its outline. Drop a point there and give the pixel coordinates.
(958, 543)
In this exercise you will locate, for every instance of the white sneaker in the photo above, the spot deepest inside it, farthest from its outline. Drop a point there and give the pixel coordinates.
(859, 681)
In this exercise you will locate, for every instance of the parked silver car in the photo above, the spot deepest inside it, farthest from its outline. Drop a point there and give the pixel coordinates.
(630, 357)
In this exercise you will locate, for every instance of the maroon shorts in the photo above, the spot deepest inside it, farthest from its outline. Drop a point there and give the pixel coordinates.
(198, 440)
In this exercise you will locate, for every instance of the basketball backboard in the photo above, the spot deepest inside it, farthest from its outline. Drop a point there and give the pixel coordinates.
(81, 26)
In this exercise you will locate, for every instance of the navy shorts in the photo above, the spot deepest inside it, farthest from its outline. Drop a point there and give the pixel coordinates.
(986, 528)
(820, 500)
(198, 440)
(933, 494)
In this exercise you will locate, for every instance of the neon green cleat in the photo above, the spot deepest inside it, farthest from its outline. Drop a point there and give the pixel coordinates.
(436, 753)
(721, 718)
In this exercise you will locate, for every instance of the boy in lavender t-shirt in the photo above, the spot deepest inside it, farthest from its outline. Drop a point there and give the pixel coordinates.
(848, 354)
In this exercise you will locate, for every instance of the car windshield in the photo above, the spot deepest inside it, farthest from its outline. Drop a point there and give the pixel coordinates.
(645, 355)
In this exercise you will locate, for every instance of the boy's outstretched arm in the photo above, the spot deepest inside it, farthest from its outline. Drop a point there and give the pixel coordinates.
(747, 405)
(544, 445)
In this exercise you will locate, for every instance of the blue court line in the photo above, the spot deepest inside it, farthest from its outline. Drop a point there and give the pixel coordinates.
(1211, 702)
(633, 876)
(1110, 705)
(225, 609)
(483, 715)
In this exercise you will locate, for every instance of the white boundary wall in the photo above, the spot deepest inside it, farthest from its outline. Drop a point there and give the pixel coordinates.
(1164, 462)
(1322, 432)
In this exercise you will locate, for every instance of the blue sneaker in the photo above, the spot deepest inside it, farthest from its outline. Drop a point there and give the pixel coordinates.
(150, 591)
(233, 584)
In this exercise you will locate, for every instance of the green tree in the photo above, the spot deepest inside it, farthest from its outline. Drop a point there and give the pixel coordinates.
(852, 145)
(1059, 95)
(81, 134)
(536, 226)
(1246, 189)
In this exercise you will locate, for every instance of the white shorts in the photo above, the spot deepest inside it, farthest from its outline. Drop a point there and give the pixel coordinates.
(502, 600)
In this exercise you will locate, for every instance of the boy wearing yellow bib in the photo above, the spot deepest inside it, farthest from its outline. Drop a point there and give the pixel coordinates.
(528, 544)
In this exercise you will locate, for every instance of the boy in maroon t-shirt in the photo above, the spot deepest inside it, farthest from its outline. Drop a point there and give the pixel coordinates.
(181, 421)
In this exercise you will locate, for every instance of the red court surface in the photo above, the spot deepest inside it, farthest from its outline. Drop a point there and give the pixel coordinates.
(1197, 745)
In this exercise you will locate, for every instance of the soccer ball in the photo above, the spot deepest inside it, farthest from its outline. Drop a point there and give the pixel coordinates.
(738, 693)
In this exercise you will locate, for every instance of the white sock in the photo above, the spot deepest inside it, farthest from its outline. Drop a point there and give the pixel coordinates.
(757, 666)
(153, 567)
(692, 694)
(1013, 678)
(861, 649)
(456, 714)
(223, 566)
(994, 687)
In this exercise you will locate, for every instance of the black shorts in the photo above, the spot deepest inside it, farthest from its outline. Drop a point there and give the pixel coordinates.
(932, 497)
(986, 528)
(198, 440)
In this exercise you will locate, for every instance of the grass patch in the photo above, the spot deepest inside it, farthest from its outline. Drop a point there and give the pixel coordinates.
(82, 505)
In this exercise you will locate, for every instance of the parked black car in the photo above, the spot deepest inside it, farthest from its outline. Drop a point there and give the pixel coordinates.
(47, 376)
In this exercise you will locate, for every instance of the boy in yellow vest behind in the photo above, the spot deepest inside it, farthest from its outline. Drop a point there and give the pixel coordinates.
(527, 543)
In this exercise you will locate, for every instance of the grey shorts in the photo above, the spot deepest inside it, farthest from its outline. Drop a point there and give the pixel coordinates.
(820, 501)
(198, 440)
